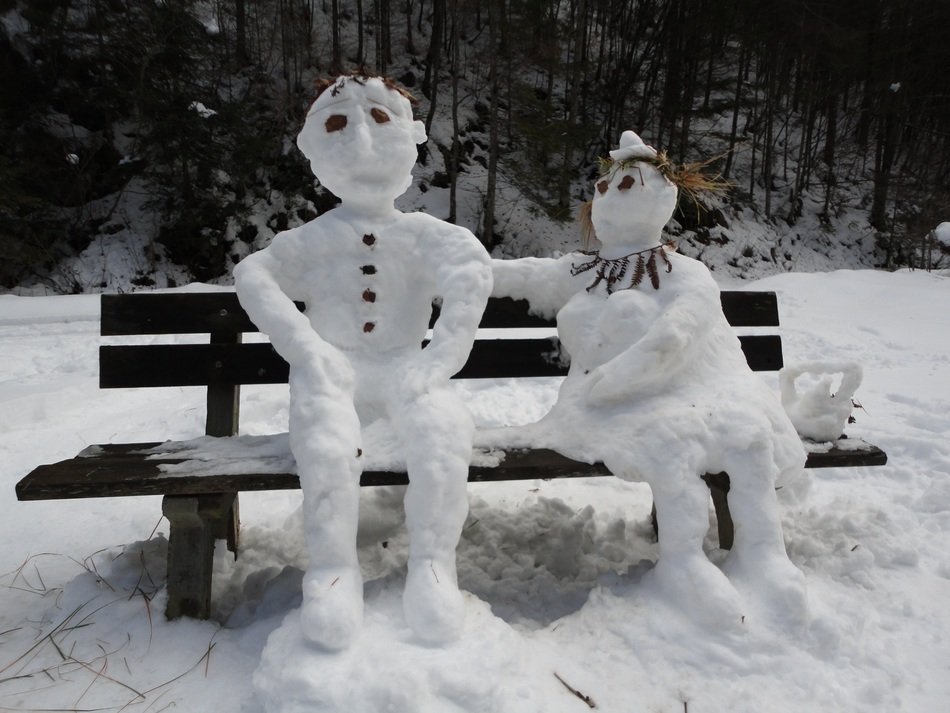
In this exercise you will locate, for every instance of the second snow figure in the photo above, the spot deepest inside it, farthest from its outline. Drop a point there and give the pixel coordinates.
(659, 390)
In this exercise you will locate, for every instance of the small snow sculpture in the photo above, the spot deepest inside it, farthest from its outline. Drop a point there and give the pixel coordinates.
(819, 411)
(368, 275)
(659, 389)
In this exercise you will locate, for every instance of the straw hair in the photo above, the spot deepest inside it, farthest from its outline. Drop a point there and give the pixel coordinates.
(690, 178)
(359, 77)
(587, 225)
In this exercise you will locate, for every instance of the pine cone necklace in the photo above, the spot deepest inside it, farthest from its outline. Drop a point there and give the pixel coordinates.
(614, 270)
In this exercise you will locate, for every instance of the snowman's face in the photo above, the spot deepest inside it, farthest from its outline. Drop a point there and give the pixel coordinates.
(361, 139)
(632, 203)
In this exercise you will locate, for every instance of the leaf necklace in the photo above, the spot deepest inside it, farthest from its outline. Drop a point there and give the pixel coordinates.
(614, 270)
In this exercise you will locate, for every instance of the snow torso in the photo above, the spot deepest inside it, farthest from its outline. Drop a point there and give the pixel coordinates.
(700, 398)
(595, 327)
(353, 278)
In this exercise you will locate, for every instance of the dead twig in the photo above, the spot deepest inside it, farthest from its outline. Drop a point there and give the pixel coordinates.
(587, 699)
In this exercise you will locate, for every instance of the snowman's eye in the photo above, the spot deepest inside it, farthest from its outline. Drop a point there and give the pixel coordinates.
(602, 187)
(336, 122)
(626, 183)
(379, 116)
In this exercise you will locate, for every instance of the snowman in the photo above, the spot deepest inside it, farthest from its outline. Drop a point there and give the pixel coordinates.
(659, 390)
(368, 275)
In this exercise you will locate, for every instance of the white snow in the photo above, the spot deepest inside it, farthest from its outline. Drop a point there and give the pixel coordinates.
(202, 111)
(820, 410)
(942, 233)
(553, 571)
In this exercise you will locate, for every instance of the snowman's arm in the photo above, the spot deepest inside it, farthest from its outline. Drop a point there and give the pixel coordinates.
(546, 283)
(665, 349)
(464, 282)
(266, 286)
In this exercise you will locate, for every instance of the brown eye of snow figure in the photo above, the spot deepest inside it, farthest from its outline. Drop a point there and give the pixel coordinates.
(379, 116)
(626, 183)
(335, 123)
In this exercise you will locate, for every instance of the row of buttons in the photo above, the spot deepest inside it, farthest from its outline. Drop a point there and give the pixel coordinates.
(368, 295)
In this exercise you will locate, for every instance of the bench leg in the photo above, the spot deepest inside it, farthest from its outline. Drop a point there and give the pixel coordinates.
(719, 490)
(195, 522)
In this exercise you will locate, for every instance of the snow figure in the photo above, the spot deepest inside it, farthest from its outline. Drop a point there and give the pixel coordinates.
(659, 390)
(368, 275)
(817, 410)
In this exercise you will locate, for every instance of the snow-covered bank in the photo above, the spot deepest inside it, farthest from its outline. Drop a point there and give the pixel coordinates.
(553, 570)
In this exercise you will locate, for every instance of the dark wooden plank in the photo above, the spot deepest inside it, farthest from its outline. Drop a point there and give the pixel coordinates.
(223, 401)
(506, 313)
(848, 453)
(750, 308)
(763, 352)
(206, 312)
(101, 477)
(125, 366)
(124, 470)
(173, 313)
(156, 365)
(505, 358)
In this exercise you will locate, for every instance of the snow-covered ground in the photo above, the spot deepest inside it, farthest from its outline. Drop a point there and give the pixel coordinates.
(553, 570)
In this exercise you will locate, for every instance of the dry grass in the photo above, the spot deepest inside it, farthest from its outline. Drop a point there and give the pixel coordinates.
(72, 654)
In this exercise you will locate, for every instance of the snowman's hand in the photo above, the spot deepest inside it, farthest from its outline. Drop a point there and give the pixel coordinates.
(635, 373)
(323, 365)
(414, 381)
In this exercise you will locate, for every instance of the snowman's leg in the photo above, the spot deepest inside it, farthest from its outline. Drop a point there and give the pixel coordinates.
(437, 433)
(325, 438)
(683, 573)
(758, 563)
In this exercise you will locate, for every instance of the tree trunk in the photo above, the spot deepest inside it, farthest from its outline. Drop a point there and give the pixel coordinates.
(240, 33)
(336, 62)
(488, 226)
(572, 91)
(430, 81)
(453, 167)
(736, 102)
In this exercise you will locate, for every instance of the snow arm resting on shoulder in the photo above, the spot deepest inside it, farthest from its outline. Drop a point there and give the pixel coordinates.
(670, 343)
(266, 287)
(546, 283)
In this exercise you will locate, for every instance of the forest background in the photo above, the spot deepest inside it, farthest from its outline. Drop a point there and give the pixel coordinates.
(163, 129)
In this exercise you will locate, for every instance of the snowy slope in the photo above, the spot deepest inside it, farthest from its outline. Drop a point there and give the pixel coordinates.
(553, 570)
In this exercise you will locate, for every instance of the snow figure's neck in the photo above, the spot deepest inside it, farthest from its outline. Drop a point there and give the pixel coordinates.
(626, 271)
(359, 212)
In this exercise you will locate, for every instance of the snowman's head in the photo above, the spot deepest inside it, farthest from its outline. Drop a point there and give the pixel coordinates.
(634, 198)
(360, 138)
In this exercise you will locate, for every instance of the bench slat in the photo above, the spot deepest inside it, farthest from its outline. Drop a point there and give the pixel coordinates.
(750, 308)
(205, 312)
(151, 365)
(177, 313)
(124, 469)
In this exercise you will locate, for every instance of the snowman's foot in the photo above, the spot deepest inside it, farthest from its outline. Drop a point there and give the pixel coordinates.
(332, 609)
(432, 603)
(771, 583)
(699, 589)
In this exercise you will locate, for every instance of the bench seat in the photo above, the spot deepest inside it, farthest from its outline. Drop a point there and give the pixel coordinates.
(248, 463)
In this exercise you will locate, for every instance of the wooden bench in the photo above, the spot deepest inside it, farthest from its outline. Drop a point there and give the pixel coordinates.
(201, 503)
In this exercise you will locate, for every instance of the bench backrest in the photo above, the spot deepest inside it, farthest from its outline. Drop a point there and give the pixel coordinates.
(224, 363)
